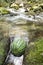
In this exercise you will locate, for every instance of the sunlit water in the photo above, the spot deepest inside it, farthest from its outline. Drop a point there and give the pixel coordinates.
(23, 26)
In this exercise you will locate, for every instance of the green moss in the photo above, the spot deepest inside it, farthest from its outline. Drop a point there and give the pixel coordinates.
(3, 50)
(35, 53)
(3, 10)
(3, 3)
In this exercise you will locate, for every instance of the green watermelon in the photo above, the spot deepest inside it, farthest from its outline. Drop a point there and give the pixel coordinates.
(18, 46)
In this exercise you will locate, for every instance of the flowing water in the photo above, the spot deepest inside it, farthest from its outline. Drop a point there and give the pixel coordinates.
(21, 25)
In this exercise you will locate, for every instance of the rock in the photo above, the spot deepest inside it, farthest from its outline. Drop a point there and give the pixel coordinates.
(13, 60)
(15, 6)
(35, 7)
(3, 3)
(21, 5)
(41, 5)
(3, 10)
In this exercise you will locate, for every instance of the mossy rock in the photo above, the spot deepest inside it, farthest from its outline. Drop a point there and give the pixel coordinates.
(34, 55)
(4, 10)
(41, 5)
(15, 6)
(3, 3)
(34, 7)
(4, 46)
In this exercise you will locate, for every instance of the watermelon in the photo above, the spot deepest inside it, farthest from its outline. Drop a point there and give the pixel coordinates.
(18, 47)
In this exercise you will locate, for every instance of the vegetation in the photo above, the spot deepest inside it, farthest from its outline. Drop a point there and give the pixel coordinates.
(3, 50)
(35, 53)
(4, 10)
(4, 42)
(3, 3)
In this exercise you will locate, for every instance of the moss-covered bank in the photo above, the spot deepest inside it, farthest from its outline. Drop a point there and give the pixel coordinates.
(3, 50)
(34, 55)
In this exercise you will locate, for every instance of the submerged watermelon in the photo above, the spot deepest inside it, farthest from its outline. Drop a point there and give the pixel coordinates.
(18, 46)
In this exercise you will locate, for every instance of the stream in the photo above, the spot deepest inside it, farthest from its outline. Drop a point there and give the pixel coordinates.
(19, 24)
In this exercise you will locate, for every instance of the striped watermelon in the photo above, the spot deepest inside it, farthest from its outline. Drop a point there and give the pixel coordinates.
(18, 46)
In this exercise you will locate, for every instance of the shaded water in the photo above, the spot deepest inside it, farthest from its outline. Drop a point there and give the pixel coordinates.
(22, 26)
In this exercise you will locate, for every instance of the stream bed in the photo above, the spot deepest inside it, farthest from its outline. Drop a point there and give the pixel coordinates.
(28, 27)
